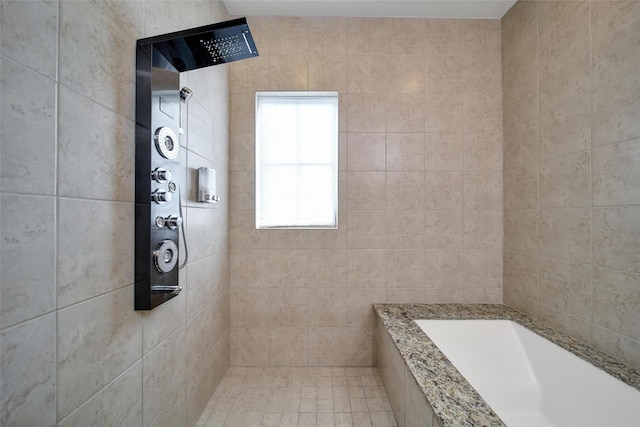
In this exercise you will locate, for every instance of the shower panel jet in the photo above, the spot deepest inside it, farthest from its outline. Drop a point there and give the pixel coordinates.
(158, 218)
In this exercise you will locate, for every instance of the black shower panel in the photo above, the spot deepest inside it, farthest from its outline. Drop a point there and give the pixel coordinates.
(159, 61)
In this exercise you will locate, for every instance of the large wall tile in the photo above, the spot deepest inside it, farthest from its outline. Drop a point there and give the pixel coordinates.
(616, 295)
(561, 320)
(565, 181)
(405, 151)
(616, 237)
(483, 190)
(443, 190)
(405, 229)
(250, 346)
(566, 286)
(521, 274)
(327, 346)
(521, 231)
(175, 413)
(163, 320)
(615, 108)
(443, 229)
(95, 160)
(617, 346)
(366, 268)
(327, 307)
(566, 234)
(444, 268)
(521, 187)
(483, 229)
(365, 151)
(483, 268)
(444, 151)
(328, 268)
(405, 190)
(288, 307)
(29, 34)
(405, 268)
(483, 152)
(118, 404)
(97, 340)
(288, 346)
(405, 112)
(96, 57)
(95, 248)
(566, 129)
(28, 234)
(29, 373)
(27, 106)
(249, 307)
(615, 174)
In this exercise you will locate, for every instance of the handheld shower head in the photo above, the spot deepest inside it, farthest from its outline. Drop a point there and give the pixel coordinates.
(185, 94)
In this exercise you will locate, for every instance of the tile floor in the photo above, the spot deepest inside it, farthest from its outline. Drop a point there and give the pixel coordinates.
(291, 397)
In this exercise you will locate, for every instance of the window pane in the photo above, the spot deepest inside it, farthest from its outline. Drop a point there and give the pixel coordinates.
(296, 159)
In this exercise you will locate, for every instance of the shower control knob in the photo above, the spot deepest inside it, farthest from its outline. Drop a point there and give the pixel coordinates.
(161, 175)
(160, 196)
(173, 221)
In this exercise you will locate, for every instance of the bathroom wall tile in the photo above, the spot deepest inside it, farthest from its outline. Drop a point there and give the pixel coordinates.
(288, 307)
(360, 302)
(367, 229)
(366, 268)
(566, 129)
(560, 320)
(482, 113)
(288, 72)
(444, 75)
(565, 71)
(444, 37)
(482, 37)
(444, 113)
(520, 141)
(405, 190)
(615, 174)
(243, 232)
(482, 152)
(444, 151)
(405, 151)
(249, 268)
(360, 348)
(483, 190)
(615, 108)
(521, 187)
(444, 190)
(618, 346)
(199, 338)
(405, 268)
(616, 296)
(128, 15)
(331, 238)
(391, 368)
(95, 248)
(521, 274)
(365, 151)
(200, 123)
(405, 229)
(327, 346)
(566, 181)
(29, 373)
(566, 234)
(328, 36)
(162, 321)
(242, 190)
(288, 35)
(201, 231)
(405, 295)
(520, 85)
(203, 282)
(288, 239)
(519, 25)
(405, 112)
(250, 76)
(241, 151)
(615, 37)
(522, 304)
(521, 231)
(288, 268)
(483, 296)
(367, 36)
(242, 108)
(328, 72)
(95, 160)
(158, 383)
(174, 413)
(250, 346)
(483, 74)
(201, 384)
(407, 74)
(369, 74)
(328, 268)
(327, 307)
(366, 112)
(96, 56)
(288, 347)
(482, 268)
(27, 106)
(28, 234)
(566, 286)
(119, 403)
(616, 237)
(443, 229)
(160, 16)
(444, 269)
(402, 38)
(444, 296)
(366, 190)
(29, 34)
(103, 329)
(483, 229)
(249, 307)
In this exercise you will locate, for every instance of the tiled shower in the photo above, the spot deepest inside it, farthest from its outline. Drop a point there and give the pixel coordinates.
(428, 107)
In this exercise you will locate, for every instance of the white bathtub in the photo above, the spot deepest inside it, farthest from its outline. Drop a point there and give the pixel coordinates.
(529, 381)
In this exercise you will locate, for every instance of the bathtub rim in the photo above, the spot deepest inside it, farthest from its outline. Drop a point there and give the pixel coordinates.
(462, 405)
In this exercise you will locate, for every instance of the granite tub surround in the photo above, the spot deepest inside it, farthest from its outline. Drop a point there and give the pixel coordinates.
(453, 400)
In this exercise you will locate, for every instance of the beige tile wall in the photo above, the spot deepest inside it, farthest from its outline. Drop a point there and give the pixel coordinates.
(420, 183)
(571, 154)
(74, 351)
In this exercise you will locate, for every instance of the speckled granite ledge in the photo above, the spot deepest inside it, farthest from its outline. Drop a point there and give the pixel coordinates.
(452, 398)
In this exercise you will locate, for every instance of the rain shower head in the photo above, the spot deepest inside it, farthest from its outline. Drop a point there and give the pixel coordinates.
(205, 46)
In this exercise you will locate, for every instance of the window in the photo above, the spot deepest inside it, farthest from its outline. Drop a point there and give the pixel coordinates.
(296, 160)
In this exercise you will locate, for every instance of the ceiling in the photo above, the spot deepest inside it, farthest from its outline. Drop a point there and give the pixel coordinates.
(479, 9)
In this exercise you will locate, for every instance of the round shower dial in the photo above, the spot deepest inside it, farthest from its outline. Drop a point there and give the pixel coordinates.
(161, 175)
(166, 256)
(167, 143)
(160, 196)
